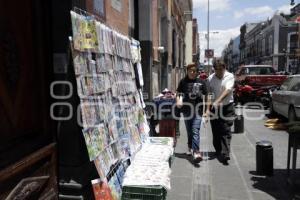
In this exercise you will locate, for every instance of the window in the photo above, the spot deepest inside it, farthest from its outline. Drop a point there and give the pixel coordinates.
(295, 84)
(258, 48)
(263, 46)
(293, 43)
(174, 48)
(117, 4)
(263, 71)
(242, 72)
(271, 44)
(296, 87)
(99, 7)
(285, 84)
(260, 71)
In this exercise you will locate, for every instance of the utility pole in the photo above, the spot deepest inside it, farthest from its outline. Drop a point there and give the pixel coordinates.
(207, 24)
(208, 59)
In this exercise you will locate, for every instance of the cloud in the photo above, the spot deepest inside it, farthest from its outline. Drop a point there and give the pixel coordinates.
(285, 9)
(217, 41)
(214, 5)
(262, 11)
(238, 14)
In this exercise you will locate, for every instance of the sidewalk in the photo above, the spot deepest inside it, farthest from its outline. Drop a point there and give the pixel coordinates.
(186, 183)
(237, 181)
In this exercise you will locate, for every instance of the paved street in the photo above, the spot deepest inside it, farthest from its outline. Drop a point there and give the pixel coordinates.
(238, 181)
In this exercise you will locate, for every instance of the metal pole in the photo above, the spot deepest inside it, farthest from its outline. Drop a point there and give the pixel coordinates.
(207, 24)
(209, 69)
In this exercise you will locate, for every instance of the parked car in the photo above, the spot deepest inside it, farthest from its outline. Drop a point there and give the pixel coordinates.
(286, 100)
(258, 75)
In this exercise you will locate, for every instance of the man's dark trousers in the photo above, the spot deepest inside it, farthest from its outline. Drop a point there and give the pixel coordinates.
(221, 122)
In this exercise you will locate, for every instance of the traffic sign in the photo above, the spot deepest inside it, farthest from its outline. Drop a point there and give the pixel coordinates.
(209, 53)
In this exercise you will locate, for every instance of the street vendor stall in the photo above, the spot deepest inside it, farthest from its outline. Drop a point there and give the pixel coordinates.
(114, 124)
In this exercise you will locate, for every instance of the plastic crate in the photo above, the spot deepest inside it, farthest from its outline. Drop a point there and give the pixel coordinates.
(144, 192)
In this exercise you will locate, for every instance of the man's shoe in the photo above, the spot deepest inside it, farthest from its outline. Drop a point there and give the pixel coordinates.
(225, 160)
(197, 157)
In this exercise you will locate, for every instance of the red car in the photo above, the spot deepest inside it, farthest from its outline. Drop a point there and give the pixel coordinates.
(258, 75)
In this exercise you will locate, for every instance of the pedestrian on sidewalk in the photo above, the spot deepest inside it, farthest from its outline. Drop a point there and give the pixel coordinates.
(190, 93)
(220, 109)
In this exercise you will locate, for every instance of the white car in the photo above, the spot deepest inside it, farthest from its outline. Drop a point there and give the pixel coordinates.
(286, 100)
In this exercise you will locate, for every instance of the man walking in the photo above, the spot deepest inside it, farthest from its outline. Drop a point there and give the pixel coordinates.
(190, 93)
(220, 86)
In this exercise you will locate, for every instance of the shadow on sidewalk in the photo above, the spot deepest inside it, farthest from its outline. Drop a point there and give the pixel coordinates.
(188, 158)
(277, 185)
(210, 156)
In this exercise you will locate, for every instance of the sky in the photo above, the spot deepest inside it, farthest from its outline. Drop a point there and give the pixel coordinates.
(227, 16)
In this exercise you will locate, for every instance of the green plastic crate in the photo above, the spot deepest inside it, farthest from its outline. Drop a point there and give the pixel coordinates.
(144, 193)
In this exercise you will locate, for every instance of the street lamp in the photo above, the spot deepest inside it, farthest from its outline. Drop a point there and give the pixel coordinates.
(206, 36)
(209, 69)
(208, 59)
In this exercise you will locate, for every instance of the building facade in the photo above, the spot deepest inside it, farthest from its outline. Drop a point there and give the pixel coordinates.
(35, 52)
(271, 42)
(188, 34)
(245, 28)
(235, 54)
(231, 54)
(178, 45)
(196, 44)
(114, 13)
(253, 44)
